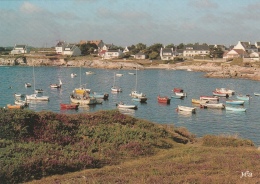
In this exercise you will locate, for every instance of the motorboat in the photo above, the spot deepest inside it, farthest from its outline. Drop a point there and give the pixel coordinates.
(235, 109)
(225, 90)
(213, 105)
(210, 98)
(35, 97)
(73, 75)
(119, 74)
(243, 97)
(220, 94)
(163, 99)
(10, 106)
(235, 102)
(89, 73)
(28, 84)
(69, 106)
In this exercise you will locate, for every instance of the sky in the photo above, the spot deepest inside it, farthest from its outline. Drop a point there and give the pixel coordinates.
(42, 23)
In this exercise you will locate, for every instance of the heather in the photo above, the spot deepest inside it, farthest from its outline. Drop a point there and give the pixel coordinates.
(39, 144)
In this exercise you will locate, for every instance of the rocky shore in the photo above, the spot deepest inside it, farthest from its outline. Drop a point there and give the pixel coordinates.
(211, 69)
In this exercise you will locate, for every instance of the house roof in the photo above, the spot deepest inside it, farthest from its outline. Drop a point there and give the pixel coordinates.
(20, 46)
(139, 54)
(60, 43)
(196, 47)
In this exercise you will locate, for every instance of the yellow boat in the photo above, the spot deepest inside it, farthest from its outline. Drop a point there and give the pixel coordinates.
(197, 101)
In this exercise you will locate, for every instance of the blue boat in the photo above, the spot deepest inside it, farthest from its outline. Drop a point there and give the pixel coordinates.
(235, 102)
(243, 97)
(236, 109)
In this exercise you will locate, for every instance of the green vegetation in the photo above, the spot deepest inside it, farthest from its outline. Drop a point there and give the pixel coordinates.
(110, 147)
(34, 145)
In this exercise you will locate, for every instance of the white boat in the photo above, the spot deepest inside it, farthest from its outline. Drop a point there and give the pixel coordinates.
(220, 94)
(19, 95)
(73, 75)
(181, 94)
(83, 100)
(187, 109)
(210, 98)
(126, 106)
(225, 90)
(135, 94)
(21, 102)
(81, 95)
(56, 85)
(27, 84)
(89, 73)
(236, 109)
(119, 75)
(35, 97)
(115, 88)
(257, 94)
(38, 90)
(130, 73)
(213, 105)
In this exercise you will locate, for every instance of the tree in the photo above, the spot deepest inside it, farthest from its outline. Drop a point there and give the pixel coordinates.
(153, 55)
(140, 46)
(156, 47)
(180, 46)
(170, 46)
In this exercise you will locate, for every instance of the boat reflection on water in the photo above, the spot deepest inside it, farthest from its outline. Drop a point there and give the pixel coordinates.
(185, 113)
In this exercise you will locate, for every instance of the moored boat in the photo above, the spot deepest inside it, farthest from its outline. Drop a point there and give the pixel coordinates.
(213, 105)
(180, 94)
(119, 74)
(89, 73)
(73, 75)
(163, 99)
(243, 97)
(235, 102)
(35, 97)
(186, 109)
(28, 84)
(198, 101)
(177, 90)
(38, 90)
(56, 85)
(225, 90)
(19, 95)
(116, 89)
(21, 102)
(210, 98)
(69, 106)
(177, 96)
(126, 106)
(10, 106)
(217, 93)
(257, 94)
(236, 109)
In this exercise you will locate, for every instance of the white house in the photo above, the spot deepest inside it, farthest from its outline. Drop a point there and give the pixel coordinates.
(196, 50)
(246, 46)
(167, 54)
(20, 49)
(126, 50)
(72, 50)
(140, 55)
(110, 54)
(254, 56)
(60, 46)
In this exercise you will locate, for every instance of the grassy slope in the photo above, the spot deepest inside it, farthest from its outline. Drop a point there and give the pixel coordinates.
(191, 163)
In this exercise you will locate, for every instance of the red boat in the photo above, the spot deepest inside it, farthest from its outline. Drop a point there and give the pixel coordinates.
(163, 99)
(177, 90)
(69, 106)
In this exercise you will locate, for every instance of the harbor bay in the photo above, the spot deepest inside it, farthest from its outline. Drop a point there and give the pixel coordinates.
(152, 83)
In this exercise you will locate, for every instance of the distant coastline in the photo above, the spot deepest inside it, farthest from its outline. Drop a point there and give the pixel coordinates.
(218, 69)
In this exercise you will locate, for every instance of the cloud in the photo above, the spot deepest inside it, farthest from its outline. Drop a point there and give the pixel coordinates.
(27, 7)
(203, 4)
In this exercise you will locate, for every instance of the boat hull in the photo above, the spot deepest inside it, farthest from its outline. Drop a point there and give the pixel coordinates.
(69, 106)
(165, 100)
(87, 101)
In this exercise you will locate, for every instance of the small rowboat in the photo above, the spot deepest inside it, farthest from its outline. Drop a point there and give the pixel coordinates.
(19, 95)
(197, 101)
(38, 90)
(217, 93)
(73, 75)
(228, 108)
(210, 98)
(257, 94)
(177, 90)
(9, 106)
(69, 106)
(163, 99)
(213, 105)
(235, 102)
(226, 91)
(21, 102)
(187, 109)
(130, 73)
(243, 97)
(126, 106)
(89, 73)
(119, 75)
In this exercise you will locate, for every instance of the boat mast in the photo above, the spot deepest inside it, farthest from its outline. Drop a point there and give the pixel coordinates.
(33, 79)
(136, 78)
